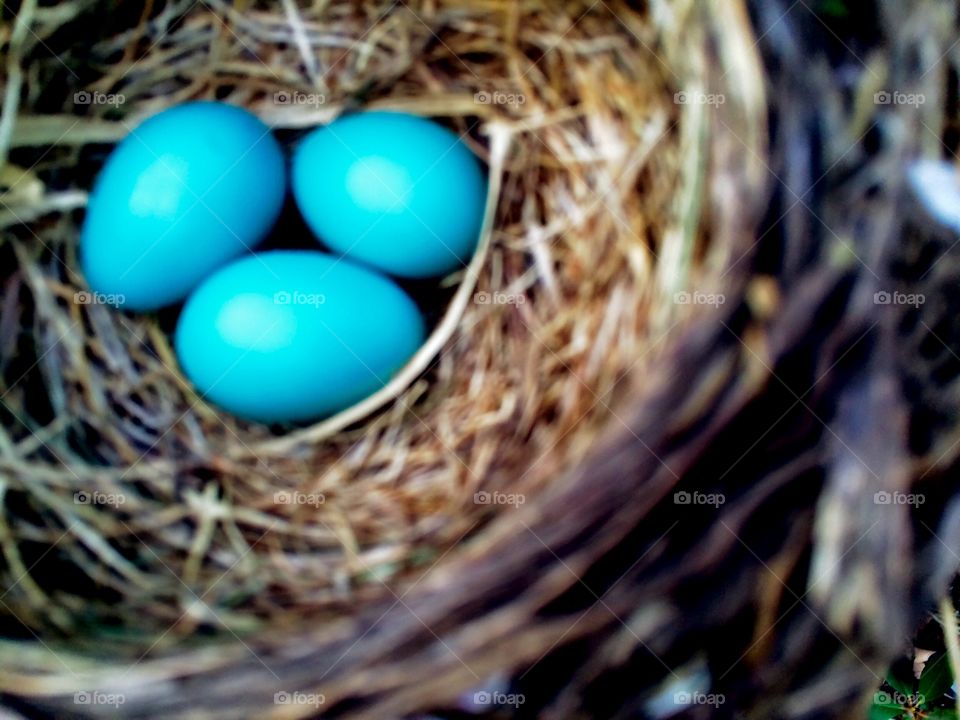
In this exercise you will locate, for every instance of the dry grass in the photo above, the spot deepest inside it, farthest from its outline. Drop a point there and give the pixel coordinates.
(602, 184)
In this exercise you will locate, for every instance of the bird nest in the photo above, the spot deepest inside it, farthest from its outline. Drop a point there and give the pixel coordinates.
(598, 367)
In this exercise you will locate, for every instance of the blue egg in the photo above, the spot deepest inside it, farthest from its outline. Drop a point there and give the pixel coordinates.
(289, 336)
(187, 191)
(397, 192)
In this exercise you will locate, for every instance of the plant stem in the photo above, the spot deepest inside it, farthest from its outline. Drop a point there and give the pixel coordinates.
(948, 617)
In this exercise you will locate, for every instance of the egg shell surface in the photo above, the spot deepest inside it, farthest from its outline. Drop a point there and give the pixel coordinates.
(398, 192)
(186, 191)
(290, 336)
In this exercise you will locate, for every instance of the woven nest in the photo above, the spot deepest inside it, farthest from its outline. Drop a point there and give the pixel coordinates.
(597, 183)
(505, 508)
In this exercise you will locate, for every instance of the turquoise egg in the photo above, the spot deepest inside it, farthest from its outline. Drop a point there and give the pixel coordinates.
(185, 192)
(294, 335)
(397, 192)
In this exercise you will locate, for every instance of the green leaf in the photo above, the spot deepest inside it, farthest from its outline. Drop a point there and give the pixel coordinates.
(885, 712)
(936, 678)
(939, 714)
(901, 677)
(834, 8)
(887, 706)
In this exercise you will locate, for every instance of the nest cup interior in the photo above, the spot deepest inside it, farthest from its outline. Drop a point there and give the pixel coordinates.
(134, 512)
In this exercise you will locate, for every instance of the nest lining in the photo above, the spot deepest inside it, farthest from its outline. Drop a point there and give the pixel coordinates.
(595, 225)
